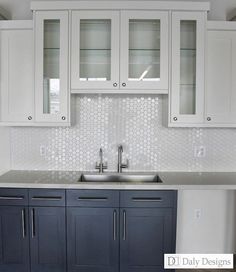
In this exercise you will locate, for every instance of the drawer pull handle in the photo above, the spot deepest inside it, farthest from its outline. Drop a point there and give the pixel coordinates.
(124, 225)
(11, 197)
(23, 223)
(149, 199)
(33, 223)
(92, 198)
(51, 198)
(114, 225)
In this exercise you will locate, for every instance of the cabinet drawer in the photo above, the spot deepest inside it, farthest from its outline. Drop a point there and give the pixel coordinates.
(45, 197)
(15, 197)
(93, 198)
(148, 199)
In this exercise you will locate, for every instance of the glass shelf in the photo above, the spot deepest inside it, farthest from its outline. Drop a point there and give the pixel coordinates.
(143, 49)
(94, 49)
(51, 48)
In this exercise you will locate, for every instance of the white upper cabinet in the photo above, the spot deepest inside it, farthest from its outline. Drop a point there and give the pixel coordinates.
(95, 50)
(52, 94)
(221, 71)
(144, 50)
(119, 51)
(188, 68)
(17, 73)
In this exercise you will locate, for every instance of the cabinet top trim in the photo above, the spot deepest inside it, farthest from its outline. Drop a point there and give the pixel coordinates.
(221, 25)
(132, 5)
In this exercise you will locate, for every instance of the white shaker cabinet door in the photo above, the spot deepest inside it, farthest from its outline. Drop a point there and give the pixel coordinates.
(52, 94)
(221, 79)
(144, 62)
(17, 73)
(188, 68)
(94, 50)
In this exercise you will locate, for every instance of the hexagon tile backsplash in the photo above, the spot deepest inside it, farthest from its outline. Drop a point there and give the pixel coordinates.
(132, 120)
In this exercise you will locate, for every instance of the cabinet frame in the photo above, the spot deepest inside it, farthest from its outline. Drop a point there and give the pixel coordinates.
(64, 115)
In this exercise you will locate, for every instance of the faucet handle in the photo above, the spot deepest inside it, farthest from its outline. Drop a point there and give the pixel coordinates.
(125, 165)
(101, 166)
(104, 165)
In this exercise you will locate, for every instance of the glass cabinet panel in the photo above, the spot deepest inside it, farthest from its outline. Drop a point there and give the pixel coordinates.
(188, 63)
(51, 86)
(187, 67)
(95, 50)
(51, 66)
(144, 50)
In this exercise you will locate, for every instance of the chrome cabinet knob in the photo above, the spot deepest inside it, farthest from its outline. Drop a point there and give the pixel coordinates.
(114, 84)
(124, 84)
(63, 118)
(175, 118)
(30, 118)
(208, 118)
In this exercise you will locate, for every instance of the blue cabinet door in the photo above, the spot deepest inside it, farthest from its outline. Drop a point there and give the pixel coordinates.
(93, 239)
(14, 239)
(48, 239)
(146, 234)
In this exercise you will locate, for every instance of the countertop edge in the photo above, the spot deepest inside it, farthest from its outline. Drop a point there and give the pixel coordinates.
(116, 186)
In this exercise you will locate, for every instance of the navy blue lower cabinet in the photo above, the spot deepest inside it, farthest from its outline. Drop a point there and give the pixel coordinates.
(92, 239)
(145, 235)
(14, 239)
(48, 239)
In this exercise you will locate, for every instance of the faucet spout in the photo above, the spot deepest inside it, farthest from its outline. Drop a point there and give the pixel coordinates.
(121, 165)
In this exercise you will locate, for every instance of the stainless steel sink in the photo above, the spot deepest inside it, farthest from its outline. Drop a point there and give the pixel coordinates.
(120, 177)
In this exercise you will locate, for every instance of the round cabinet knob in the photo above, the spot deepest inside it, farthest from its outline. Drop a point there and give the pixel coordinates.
(63, 118)
(114, 84)
(208, 118)
(124, 84)
(30, 118)
(175, 118)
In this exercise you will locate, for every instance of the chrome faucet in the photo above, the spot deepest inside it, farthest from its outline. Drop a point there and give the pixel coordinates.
(121, 165)
(101, 165)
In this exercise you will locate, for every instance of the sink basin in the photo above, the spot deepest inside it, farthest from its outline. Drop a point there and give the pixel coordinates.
(123, 177)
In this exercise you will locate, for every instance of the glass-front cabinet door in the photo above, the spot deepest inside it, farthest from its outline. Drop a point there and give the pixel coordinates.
(51, 67)
(95, 50)
(187, 88)
(144, 50)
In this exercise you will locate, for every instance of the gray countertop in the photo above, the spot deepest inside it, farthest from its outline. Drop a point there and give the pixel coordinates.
(69, 180)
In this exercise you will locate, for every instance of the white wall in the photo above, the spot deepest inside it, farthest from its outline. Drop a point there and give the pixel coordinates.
(214, 231)
(4, 149)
